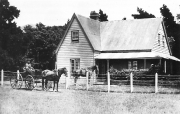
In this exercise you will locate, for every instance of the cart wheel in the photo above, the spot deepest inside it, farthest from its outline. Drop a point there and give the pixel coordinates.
(29, 82)
(49, 85)
(16, 82)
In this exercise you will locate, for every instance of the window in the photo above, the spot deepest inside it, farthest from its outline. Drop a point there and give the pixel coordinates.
(135, 65)
(129, 65)
(132, 65)
(75, 36)
(163, 43)
(159, 37)
(75, 64)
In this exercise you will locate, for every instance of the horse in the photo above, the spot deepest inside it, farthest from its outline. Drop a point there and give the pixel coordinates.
(54, 76)
(82, 72)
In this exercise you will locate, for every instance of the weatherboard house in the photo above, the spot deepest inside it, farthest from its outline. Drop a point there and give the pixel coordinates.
(123, 44)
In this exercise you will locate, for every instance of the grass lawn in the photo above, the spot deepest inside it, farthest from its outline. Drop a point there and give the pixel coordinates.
(85, 102)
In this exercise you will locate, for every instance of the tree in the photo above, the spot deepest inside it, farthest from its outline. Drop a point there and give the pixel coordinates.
(8, 27)
(142, 14)
(172, 29)
(102, 16)
(44, 41)
(98, 16)
(168, 20)
(7, 62)
(16, 45)
(66, 25)
(10, 36)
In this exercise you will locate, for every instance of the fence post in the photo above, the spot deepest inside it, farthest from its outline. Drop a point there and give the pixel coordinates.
(95, 77)
(108, 82)
(87, 81)
(131, 81)
(18, 75)
(67, 79)
(2, 77)
(156, 83)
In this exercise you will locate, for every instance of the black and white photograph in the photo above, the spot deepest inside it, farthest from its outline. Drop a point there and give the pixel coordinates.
(89, 57)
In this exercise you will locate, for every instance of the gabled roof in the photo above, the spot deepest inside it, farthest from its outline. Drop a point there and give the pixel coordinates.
(137, 34)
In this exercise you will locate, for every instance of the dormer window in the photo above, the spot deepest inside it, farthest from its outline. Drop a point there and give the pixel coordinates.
(75, 36)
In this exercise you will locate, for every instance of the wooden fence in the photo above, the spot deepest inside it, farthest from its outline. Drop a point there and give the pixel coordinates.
(5, 76)
(107, 83)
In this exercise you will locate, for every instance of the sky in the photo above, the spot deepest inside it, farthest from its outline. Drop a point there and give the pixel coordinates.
(57, 12)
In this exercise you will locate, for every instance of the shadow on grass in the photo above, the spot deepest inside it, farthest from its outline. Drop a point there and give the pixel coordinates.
(168, 93)
(40, 90)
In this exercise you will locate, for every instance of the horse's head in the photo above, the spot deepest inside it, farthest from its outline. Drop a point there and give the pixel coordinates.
(62, 71)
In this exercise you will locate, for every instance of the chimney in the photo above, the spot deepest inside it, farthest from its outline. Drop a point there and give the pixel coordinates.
(94, 15)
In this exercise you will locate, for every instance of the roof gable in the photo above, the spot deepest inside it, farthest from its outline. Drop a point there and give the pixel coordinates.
(70, 24)
(92, 29)
(161, 44)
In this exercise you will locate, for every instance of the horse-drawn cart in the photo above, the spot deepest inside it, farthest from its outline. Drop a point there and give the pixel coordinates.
(30, 79)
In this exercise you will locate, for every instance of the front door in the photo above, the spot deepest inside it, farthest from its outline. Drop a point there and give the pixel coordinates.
(102, 67)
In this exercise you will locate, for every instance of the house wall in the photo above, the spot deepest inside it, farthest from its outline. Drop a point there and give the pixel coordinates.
(96, 53)
(160, 48)
(69, 50)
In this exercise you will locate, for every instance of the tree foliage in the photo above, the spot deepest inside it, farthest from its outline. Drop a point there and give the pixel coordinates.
(37, 43)
(10, 36)
(6, 61)
(168, 20)
(172, 29)
(100, 16)
(142, 14)
(42, 41)
(8, 27)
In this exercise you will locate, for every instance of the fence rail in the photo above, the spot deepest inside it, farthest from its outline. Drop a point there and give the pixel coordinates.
(108, 82)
